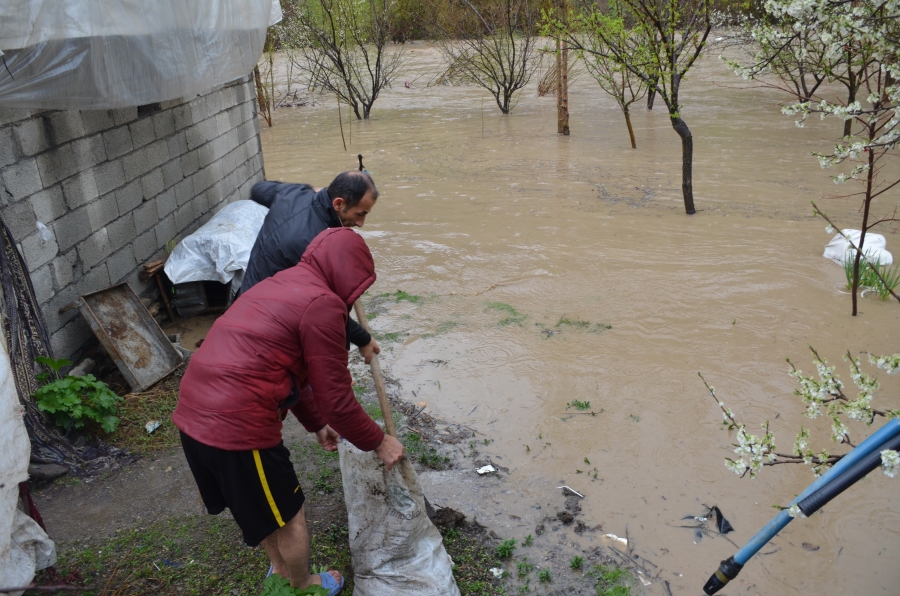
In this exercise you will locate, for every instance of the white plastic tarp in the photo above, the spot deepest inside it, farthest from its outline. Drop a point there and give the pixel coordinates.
(101, 54)
(220, 248)
(24, 547)
(839, 250)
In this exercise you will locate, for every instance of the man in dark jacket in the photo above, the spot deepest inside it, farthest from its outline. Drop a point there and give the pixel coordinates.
(287, 331)
(297, 213)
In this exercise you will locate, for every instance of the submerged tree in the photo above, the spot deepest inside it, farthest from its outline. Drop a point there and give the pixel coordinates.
(342, 45)
(863, 39)
(614, 78)
(658, 41)
(490, 43)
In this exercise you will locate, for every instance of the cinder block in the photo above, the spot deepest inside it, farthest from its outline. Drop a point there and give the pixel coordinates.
(48, 204)
(184, 191)
(96, 120)
(54, 319)
(57, 164)
(144, 246)
(20, 219)
(172, 103)
(66, 126)
(198, 109)
(9, 151)
(172, 174)
(206, 154)
(230, 142)
(140, 286)
(177, 145)
(68, 340)
(102, 211)
(80, 189)
(124, 115)
(164, 124)
(165, 231)
(183, 217)
(145, 216)
(21, 179)
(10, 115)
(42, 280)
(109, 176)
(234, 117)
(95, 249)
(215, 194)
(207, 132)
(223, 123)
(121, 231)
(142, 132)
(95, 279)
(33, 136)
(89, 152)
(190, 163)
(203, 179)
(64, 268)
(121, 264)
(165, 203)
(143, 160)
(129, 197)
(245, 132)
(152, 184)
(229, 162)
(200, 205)
(72, 228)
(183, 116)
(118, 142)
(38, 252)
(241, 93)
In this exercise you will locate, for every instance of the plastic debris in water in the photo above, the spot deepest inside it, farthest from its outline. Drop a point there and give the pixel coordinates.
(486, 469)
(498, 573)
(643, 579)
(721, 523)
(571, 490)
(152, 426)
(613, 539)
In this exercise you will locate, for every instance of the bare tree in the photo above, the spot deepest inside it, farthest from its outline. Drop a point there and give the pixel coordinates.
(342, 45)
(491, 44)
(664, 39)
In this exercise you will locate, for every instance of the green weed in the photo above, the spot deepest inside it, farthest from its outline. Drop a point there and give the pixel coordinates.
(544, 576)
(400, 296)
(426, 455)
(611, 581)
(513, 317)
(505, 549)
(868, 278)
(578, 324)
(523, 567)
(576, 562)
(528, 541)
(578, 405)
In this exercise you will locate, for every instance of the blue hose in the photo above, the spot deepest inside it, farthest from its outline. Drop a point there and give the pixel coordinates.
(732, 566)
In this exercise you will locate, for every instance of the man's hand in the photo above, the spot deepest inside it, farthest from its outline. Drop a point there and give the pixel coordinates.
(327, 438)
(369, 350)
(390, 451)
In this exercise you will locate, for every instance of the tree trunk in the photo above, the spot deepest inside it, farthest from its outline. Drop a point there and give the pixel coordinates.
(263, 107)
(651, 95)
(563, 113)
(687, 161)
(870, 175)
(630, 130)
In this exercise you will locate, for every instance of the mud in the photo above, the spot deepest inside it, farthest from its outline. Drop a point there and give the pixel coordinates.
(478, 209)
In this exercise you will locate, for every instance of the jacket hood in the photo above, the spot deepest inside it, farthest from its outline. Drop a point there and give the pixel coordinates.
(342, 258)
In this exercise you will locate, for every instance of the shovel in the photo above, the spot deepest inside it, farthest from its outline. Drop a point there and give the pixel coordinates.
(395, 549)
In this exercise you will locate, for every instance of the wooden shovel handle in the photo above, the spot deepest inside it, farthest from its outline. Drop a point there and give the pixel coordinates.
(376, 374)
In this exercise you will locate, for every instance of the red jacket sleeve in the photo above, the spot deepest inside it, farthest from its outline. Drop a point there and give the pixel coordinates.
(323, 340)
(307, 413)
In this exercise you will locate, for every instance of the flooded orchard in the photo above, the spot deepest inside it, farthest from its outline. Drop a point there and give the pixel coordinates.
(558, 269)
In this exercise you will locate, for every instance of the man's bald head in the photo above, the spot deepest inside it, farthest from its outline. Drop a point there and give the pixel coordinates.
(352, 186)
(353, 196)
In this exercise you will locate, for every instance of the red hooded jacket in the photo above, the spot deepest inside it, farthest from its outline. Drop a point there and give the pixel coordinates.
(289, 327)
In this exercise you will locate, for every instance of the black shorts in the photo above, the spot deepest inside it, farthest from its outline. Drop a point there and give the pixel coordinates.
(260, 487)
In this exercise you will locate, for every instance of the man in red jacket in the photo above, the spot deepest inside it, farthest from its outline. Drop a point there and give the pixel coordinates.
(286, 333)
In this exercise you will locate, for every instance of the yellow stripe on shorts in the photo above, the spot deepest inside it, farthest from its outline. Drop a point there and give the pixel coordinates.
(265, 485)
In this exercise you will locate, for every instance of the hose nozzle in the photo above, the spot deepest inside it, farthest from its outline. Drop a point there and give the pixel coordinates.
(727, 571)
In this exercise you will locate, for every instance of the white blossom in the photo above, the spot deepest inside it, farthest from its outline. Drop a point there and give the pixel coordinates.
(890, 462)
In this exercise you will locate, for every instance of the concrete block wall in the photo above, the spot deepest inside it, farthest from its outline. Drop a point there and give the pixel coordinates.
(114, 186)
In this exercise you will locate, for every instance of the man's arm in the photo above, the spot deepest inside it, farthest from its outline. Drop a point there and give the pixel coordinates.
(322, 338)
(359, 337)
(264, 193)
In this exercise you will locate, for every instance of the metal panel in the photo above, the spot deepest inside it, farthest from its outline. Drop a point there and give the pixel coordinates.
(130, 335)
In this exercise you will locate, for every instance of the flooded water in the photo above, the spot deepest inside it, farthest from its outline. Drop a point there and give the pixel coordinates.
(480, 210)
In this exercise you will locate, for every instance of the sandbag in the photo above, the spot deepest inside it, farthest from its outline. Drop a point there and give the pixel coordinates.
(839, 250)
(396, 550)
(220, 248)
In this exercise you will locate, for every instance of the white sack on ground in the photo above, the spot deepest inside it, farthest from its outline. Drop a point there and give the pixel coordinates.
(220, 247)
(101, 54)
(24, 547)
(396, 550)
(838, 250)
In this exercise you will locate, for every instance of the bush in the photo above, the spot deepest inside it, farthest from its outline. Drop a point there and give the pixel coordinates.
(74, 401)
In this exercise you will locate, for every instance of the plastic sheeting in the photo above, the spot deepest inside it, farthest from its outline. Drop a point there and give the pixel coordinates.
(101, 54)
(839, 250)
(220, 248)
(24, 547)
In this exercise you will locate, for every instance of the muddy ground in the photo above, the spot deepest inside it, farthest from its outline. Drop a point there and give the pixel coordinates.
(142, 528)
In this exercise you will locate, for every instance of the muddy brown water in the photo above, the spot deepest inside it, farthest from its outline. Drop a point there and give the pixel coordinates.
(479, 208)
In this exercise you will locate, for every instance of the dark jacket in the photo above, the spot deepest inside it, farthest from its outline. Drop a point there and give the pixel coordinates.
(297, 214)
(287, 330)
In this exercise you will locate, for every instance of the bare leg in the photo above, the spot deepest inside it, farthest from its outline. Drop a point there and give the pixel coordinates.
(290, 545)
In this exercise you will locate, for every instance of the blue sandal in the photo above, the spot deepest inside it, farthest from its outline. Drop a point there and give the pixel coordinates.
(329, 583)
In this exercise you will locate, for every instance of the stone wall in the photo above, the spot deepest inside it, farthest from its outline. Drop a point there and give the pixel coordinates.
(114, 186)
